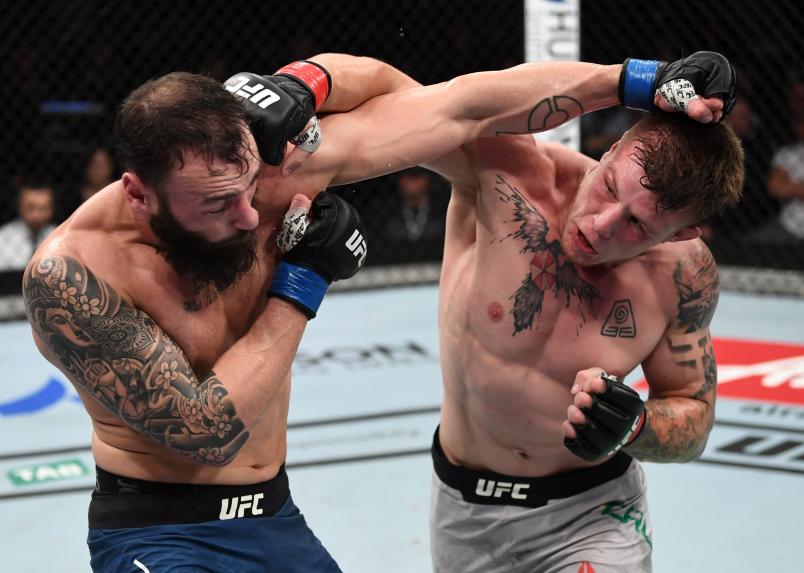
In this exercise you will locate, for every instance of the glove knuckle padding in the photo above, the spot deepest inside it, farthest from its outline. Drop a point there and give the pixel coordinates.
(277, 107)
(305, 106)
(325, 244)
(709, 72)
(609, 420)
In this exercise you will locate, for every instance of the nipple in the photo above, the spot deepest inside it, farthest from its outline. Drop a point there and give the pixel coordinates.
(495, 311)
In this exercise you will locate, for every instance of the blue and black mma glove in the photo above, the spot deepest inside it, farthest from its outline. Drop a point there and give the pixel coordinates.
(280, 106)
(332, 247)
(704, 73)
(614, 420)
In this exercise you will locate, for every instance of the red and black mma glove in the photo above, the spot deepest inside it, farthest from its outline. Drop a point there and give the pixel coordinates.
(333, 247)
(614, 420)
(279, 106)
(710, 74)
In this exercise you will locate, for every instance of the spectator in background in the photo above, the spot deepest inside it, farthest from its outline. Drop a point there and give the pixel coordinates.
(601, 130)
(756, 207)
(414, 230)
(20, 237)
(99, 171)
(786, 184)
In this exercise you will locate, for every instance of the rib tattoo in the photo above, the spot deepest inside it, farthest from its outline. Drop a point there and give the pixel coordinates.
(118, 354)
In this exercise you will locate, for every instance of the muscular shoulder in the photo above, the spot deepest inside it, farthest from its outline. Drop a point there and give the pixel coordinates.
(80, 252)
(685, 275)
(524, 156)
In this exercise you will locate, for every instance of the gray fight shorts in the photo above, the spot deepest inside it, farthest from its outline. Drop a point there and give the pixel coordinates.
(588, 521)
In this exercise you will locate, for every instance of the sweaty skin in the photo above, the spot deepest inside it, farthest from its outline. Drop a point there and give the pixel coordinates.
(507, 378)
(185, 384)
(159, 409)
(555, 267)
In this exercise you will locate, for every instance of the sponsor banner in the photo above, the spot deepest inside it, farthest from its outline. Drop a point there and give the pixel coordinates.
(758, 371)
(378, 435)
(755, 446)
(358, 358)
(49, 472)
(44, 472)
(553, 33)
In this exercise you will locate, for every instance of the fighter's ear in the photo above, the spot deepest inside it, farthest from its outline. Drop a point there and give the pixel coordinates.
(686, 233)
(611, 149)
(138, 196)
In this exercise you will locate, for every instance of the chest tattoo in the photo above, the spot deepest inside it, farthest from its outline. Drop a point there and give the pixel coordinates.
(620, 321)
(549, 269)
(205, 295)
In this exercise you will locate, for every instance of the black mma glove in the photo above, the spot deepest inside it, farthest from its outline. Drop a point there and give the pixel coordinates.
(615, 419)
(279, 106)
(331, 248)
(708, 73)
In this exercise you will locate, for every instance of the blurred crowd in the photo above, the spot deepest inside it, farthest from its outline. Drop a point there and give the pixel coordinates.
(65, 87)
(413, 203)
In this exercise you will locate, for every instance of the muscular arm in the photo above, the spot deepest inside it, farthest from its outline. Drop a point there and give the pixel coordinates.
(681, 371)
(120, 356)
(358, 79)
(414, 126)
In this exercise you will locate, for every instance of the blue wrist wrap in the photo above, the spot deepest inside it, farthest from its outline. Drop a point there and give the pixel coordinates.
(300, 285)
(637, 84)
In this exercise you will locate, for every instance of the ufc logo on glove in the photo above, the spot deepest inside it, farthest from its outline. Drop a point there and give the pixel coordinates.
(357, 244)
(256, 93)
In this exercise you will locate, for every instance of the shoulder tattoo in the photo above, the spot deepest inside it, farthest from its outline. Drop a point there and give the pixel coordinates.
(698, 288)
(119, 355)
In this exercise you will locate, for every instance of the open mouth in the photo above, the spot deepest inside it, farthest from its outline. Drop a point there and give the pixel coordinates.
(584, 244)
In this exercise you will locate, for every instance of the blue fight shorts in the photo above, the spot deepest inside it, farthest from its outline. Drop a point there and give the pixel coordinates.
(140, 526)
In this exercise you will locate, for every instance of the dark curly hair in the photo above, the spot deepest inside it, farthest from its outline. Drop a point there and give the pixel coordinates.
(162, 120)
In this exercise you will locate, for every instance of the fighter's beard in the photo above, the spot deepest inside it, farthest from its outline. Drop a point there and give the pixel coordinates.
(220, 264)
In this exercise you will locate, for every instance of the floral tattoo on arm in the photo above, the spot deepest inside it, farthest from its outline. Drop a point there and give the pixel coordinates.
(119, 355)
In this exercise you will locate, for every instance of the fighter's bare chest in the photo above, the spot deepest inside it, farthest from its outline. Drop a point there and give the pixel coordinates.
(523, 317)
(204, 322)
(525, 302)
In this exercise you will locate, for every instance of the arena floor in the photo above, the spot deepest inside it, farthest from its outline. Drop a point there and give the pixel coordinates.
(365, 402)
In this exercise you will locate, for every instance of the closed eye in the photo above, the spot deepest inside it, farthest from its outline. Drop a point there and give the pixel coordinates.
(634, 221)
(222, 209)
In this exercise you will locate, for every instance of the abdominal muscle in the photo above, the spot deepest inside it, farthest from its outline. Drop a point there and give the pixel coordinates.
(503, 417)
(505, 397)
(121, 450)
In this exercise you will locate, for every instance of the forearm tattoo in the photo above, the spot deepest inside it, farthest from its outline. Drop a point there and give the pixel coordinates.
(119, 355)
(550, 113)
(549, 269)
(676, 430)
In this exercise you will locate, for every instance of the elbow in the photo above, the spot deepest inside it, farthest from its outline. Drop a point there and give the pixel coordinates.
(224, 454)
(697, 452)
(210, 452)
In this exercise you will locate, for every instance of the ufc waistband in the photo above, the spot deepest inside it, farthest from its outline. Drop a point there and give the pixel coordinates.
(120, 502)
(491, 488)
